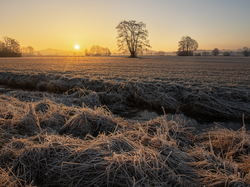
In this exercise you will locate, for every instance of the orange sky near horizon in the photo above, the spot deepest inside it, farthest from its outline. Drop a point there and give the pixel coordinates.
(61, 24)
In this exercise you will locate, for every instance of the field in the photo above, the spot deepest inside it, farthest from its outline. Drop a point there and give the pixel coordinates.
(116, 121)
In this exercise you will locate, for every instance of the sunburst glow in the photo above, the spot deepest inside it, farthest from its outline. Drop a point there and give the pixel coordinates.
(77, 47)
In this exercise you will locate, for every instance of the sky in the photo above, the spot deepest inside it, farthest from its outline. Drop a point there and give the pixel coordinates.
(61, 24)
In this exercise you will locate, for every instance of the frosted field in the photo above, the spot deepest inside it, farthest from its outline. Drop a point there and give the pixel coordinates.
(208, 88)
(193, 71)
(116, 121)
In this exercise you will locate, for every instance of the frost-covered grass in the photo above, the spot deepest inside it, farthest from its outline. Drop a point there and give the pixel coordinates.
(193, 71)
(62, 128)
(206, 88)
(49, 144)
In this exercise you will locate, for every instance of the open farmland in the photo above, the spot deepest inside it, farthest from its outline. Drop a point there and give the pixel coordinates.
(67, 121)
(203, 88)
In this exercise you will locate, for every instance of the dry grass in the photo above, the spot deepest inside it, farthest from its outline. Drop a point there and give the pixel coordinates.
(102, 150)
(205, 87)
(222, 155)
(87, 121)
(70, 138)
(8, 179)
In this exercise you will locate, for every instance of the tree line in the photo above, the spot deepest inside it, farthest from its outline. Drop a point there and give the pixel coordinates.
(132, 37)
(97, 50)
(217, 52)
(9, 47)
(29, 50)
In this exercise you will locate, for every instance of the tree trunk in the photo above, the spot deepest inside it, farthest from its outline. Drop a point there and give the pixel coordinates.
(133, 54)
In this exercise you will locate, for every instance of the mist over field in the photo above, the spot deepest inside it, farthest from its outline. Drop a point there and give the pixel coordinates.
(115, 121)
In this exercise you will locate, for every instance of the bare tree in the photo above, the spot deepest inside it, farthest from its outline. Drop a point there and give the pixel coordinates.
(107, 51)
(97, 50)
(186, 46)
(15, 46)
(1, 45)
(30, 50)
(132, 37)
(24, 50)
(245, 48)
(205, 53)
(245, 51)
(7, 42)
(94, 50)
(215, 52)
(9, 47)
(86, 52)
(227, 53)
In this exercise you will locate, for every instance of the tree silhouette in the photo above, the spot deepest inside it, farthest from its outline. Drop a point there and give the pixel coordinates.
(9, 47)
(86, 53)
(132, 37)
(215, 52)
(30, 49)
(245, 51)
(97, 50)
(227, 53)
(186, 46)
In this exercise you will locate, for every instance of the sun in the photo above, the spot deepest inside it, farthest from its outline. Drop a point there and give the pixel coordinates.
(77, 47)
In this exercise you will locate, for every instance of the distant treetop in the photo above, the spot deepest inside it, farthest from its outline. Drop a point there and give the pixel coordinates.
(186, 46)
(215, 52)
(97, 50)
